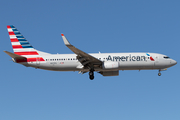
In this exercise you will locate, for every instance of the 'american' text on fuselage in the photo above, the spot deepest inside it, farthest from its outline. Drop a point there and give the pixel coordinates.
(126, 58)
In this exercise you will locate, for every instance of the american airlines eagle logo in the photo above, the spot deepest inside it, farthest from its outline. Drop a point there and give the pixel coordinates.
(151, 58)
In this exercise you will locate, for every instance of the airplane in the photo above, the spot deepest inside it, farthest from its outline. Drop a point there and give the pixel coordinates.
(107, 64)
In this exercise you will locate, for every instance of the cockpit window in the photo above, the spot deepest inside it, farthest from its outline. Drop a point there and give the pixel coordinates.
(166, 57)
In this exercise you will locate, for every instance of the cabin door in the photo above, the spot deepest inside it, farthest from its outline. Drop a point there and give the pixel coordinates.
(38, 61)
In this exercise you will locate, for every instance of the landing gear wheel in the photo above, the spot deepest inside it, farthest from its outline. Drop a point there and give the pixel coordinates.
(91, 75)
(159, 74)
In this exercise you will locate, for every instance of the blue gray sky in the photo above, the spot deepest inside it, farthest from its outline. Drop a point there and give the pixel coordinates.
(92, 26)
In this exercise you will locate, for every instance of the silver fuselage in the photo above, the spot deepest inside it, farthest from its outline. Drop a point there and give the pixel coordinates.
(126, 61)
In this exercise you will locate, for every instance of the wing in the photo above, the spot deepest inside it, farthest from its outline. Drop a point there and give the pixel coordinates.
(84, 58)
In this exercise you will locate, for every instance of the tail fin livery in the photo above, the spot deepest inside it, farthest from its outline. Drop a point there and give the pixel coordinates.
(21, 46)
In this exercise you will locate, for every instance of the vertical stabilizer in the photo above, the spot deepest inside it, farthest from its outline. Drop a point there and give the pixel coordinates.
(21, 46)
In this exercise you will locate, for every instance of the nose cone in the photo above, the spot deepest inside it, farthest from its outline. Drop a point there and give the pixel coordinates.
(173, 62)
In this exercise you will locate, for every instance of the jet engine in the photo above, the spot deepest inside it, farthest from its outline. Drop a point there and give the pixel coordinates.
(110, 65)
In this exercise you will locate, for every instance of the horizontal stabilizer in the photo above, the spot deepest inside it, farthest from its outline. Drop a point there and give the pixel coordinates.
(15, 56)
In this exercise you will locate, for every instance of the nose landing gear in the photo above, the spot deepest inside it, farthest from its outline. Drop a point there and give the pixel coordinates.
(159, 74)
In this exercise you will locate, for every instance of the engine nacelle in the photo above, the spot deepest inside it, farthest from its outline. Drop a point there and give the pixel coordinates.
(110, 65)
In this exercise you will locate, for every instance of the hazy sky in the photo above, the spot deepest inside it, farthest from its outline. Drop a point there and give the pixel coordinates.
(92, 26)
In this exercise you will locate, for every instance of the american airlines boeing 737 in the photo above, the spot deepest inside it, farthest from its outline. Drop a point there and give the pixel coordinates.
(107, 64)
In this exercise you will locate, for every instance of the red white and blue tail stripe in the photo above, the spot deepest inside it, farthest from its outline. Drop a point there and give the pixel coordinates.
(21, 46)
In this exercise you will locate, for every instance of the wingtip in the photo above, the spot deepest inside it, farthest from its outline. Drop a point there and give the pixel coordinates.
(66, 42)
(62, 34)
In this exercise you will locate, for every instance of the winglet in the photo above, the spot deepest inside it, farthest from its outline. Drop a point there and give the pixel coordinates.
(66, 42)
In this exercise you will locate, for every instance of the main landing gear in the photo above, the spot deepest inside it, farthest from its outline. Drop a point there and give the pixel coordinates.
(91, 74)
